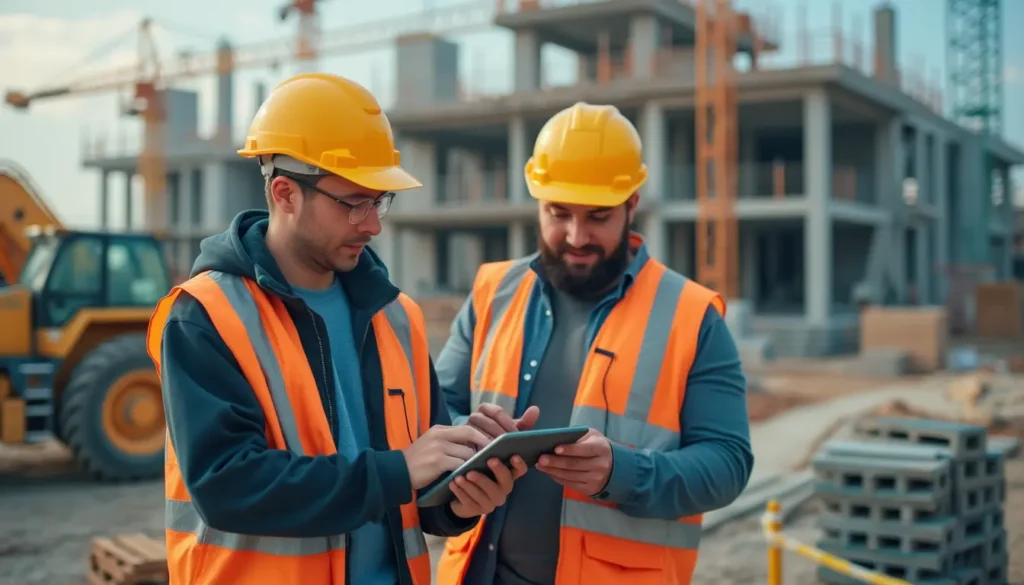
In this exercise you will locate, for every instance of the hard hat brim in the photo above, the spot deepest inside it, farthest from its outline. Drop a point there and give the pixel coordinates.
(578, 194)
(380, 178)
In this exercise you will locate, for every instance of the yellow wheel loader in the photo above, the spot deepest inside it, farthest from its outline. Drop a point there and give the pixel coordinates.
(73, 361)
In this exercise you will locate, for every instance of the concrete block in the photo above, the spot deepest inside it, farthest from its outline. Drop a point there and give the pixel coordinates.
(883, 509)
(970, 577)
(754, 350)
(995, 553)
(877, 449)
(739, 319)
(975, 528)
(1008, 446)
(883, 362)
(937, 536)
(970, 557)
(981, 471)
(906, 479)
(963, 440)
(977, 498)
(912, 567)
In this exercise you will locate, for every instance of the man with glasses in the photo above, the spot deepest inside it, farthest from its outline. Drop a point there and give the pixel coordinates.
(302, 406)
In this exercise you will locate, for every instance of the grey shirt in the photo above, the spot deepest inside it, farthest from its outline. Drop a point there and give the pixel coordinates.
(528, 545)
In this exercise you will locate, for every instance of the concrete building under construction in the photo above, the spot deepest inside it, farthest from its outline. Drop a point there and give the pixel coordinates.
(851, 186)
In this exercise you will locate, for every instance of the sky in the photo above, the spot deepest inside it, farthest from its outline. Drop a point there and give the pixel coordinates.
(47, 42)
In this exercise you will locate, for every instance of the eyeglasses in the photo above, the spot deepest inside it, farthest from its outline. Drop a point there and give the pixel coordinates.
(357, 212)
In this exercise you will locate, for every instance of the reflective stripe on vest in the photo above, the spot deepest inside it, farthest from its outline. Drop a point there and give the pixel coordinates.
(647, 345)
(257, 329)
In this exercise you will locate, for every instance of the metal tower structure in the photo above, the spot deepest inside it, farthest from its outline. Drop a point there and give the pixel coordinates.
(717, 139)
(975, 63)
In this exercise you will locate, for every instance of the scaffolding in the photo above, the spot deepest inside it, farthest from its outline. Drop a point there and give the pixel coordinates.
(717, 137)
(975, 63)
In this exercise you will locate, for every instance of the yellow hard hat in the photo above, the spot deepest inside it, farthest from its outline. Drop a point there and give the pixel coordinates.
(586, 155)
(328, 124)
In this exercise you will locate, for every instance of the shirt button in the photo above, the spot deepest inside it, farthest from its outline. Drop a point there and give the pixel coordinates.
(527, 377)
(548, 312)
(533, 363)
(490, 547)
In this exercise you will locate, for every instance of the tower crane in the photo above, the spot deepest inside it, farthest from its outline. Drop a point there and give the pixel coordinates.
(150, 75)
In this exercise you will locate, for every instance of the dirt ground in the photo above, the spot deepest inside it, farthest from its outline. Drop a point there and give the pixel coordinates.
(49, 514)
(49, 517)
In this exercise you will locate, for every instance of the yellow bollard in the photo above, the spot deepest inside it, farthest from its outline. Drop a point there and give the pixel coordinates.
(774, 526)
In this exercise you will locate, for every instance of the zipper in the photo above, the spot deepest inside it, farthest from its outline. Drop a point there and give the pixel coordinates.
(323, 371)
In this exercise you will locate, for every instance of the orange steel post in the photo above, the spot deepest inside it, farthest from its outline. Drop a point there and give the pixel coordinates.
(716, 116)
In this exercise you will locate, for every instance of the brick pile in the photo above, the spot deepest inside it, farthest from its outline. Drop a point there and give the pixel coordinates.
(915, 499)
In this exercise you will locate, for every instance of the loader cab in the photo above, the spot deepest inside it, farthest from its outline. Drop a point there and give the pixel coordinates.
(71, 271)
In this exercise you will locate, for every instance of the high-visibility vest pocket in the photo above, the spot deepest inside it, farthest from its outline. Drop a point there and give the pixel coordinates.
(607, 559)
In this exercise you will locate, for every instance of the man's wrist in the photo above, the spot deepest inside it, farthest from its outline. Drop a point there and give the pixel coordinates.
(622, 478)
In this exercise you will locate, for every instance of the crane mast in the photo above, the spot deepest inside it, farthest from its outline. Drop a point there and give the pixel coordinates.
(716, 115)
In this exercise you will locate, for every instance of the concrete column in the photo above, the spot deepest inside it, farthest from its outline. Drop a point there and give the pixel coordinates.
(888, 165)
(225, 92)
(104, 199)
(886, 263)
(644, 34)
(128, 203)
(924, 182)
(518, 153)
(922, 256)
(419, 157)
(939, 240)
(818, 222)
(652, 133)
(418, 268)
(385, 246)
(517, 244)
(653, 229)
(527, 61)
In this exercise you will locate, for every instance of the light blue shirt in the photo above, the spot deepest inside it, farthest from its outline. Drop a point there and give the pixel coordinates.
(371, 558)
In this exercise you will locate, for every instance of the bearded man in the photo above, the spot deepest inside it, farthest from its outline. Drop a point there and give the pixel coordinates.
(593, 331)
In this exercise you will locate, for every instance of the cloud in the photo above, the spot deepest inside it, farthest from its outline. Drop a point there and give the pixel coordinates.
(38, 52)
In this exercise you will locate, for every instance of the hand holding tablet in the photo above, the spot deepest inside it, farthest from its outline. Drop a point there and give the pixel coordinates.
(530, 445)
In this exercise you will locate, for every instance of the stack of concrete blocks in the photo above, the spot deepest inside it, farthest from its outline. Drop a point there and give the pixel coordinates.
(915, 499)
(754, 349)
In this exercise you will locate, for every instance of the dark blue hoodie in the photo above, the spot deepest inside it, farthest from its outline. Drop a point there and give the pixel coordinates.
(217, 425)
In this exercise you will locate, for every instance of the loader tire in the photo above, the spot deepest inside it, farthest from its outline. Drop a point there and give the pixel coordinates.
(111, 413)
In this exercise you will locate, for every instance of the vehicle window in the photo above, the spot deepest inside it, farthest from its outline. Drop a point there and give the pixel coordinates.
(136, 273)
(74, 281)
(38, 261)
(77, 269)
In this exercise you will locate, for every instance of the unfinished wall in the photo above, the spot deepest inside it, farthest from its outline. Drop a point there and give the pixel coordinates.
(427, 70)
(854, 163)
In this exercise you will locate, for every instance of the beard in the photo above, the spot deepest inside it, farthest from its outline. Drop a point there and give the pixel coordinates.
(589, 283)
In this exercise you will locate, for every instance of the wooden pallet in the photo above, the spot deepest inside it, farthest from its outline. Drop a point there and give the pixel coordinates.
(127, 559)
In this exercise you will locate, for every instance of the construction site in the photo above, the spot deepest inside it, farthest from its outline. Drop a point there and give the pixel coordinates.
(863, 220)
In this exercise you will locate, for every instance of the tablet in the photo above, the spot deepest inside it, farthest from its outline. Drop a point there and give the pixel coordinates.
(529, 445)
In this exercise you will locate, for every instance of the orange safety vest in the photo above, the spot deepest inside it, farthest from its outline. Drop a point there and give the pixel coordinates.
(632, 389)
(263, 339)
